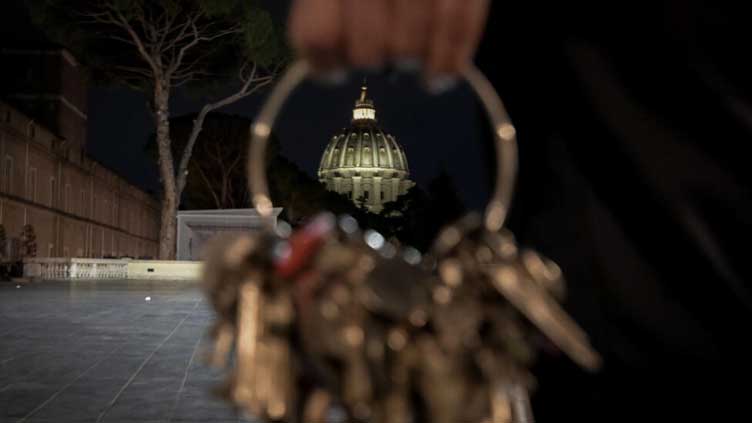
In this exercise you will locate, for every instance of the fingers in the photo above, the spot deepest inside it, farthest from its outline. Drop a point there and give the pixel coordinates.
(316, 32)
(441, 35)
(456, 31)
(409, 30)
(366, 25)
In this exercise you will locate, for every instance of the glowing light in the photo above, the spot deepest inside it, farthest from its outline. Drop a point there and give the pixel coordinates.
(263, 205)
(364, 114)
(374, 239)
(353, 335)
(451, 272)
(506, 132)
(348, 224)
(442, 295)
(261, 130)
(411, 256)
(388, 251)
(397, 339)
(450, 237)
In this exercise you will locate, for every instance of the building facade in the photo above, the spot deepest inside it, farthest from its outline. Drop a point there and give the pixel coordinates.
(365, 163)
(76, 206)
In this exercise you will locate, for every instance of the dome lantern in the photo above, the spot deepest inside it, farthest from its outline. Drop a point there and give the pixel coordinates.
(364, 110)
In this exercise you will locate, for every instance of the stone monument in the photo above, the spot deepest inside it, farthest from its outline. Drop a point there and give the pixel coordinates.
(196, 227)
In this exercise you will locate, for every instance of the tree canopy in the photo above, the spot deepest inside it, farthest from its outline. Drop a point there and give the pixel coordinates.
(155, 46)
(186, 41)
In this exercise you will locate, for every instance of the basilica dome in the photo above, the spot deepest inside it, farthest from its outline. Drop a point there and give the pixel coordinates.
(363, 162)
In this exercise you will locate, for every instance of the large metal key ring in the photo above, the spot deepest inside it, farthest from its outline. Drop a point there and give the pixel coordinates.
(504, 134)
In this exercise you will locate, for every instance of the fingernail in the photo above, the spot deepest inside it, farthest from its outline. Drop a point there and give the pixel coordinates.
(332, 77)
(440, 84)
(408, 64)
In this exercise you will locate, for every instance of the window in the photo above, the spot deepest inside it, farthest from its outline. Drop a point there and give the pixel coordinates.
(8, 175)
(83, 202)
(50, 250)
(31, 184)
(32, 131)
(52, 192)
(114, 212)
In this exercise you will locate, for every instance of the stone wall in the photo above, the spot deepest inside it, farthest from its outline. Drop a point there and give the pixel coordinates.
(78, 208)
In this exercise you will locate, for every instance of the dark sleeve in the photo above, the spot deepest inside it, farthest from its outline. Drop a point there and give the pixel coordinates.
(634, 121)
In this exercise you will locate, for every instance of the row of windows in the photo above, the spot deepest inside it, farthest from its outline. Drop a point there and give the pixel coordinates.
(68, 205)
(377, 174)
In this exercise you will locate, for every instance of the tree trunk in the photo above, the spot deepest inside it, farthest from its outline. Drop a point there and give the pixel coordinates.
(198, 124)
(167, 172)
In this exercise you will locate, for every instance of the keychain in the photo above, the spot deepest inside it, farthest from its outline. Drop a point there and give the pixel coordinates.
(335, 317)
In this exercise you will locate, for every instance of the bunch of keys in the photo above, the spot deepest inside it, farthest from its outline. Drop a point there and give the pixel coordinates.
(333, 316)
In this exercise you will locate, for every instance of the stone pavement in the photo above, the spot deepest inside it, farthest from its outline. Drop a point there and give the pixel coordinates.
(99, 352)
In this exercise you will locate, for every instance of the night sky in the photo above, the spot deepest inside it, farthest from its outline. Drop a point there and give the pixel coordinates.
(437, 132)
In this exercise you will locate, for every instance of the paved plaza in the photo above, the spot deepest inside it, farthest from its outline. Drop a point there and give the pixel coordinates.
(99, 352)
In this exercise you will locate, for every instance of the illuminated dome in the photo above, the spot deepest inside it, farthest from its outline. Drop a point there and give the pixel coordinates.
(365, 163)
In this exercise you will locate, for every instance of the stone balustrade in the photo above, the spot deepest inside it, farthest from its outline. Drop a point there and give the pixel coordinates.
(75, 268)
(99, 269)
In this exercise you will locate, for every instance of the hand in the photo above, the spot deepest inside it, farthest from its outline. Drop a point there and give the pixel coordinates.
(439, 36)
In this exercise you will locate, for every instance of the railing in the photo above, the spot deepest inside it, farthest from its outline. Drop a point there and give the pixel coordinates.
(98, 269)
(75, 268)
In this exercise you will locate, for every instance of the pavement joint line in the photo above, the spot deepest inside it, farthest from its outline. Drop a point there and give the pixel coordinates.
(185, 378)
(67, 385)
(109, 406)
